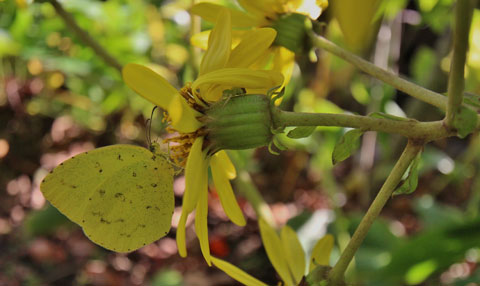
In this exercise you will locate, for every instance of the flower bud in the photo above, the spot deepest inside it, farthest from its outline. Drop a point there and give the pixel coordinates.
(238, 122)
(290, 31)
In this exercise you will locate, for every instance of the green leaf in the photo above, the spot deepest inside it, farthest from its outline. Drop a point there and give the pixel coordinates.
(387, 116)
(465, 121)
(318, 276)
(410, 183)
(349, 142)
(301, 132)
(420, 272)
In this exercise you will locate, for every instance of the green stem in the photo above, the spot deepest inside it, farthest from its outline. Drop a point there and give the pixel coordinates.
(388, 77)
(456, 80)
(426, 131)
(84, 36)
(336, 276)
(244, 184)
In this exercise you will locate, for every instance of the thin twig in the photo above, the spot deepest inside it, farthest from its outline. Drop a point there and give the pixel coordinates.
(426, 131)
(456, 80)
(84, 36)
(386, 76)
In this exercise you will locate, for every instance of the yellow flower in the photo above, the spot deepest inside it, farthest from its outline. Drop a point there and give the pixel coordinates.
(358, 21)
(286, 255)
(262, 14)
(221, 68)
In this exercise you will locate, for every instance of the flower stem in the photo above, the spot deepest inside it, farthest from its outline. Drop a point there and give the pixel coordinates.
(245, 185)
(456, 80)
(426, 131)
(84, 36)
(386, 76)
(336, 275)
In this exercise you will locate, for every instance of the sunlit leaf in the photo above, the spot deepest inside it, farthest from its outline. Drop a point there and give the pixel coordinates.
(348, 144)
(419, 272)
(321, 252)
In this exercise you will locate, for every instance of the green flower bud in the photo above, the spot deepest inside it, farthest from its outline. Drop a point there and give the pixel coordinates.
(290, 31)
(238, 122)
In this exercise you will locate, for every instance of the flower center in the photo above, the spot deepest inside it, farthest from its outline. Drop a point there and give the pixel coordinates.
(237, 121)
(181, 143)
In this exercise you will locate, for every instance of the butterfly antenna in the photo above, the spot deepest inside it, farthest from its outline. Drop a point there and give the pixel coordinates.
(148, 134)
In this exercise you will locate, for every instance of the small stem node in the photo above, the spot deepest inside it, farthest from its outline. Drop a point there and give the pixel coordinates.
(336, 275)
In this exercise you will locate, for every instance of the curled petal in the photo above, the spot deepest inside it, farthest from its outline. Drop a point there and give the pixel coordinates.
(201, 226)
(200, 40)
(196, 176)
(262, 9)
(226, 164)
(210, 11)
(154, 88)
(181, 245)
(219, 44)
(239, 77)
(236, 273)
(253, 46)
(293, 252)
(149, 84)
(225, 192)
(182, 115)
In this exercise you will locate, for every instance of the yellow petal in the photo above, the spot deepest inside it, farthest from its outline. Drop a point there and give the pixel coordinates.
(252, 47)
(214, 92)
(196, 176)
(181, 245)
(210, 11)
(358, 22)
(226, 164)
(149, 84)
(182, 115)
(261, 9)
(310, 8)
(200, 40)
(239, 77)
(225, 192)
(284, 61)
(236, 273)
(153, 87)
(273, 247)
(294, 253)
(219, 44)
(201, 226)
(321, 252)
